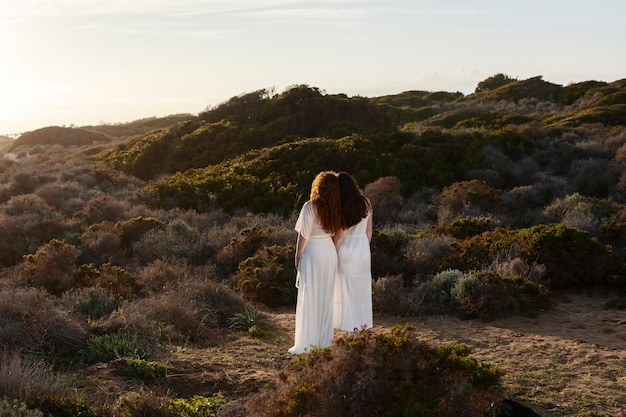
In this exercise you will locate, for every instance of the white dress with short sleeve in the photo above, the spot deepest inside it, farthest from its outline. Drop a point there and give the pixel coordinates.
(315, 280)
(353, 286)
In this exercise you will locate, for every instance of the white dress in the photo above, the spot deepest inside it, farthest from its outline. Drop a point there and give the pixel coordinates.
(353, 286)
(315, 280)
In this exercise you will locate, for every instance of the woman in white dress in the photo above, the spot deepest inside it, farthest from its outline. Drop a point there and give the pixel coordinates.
(353, 287)
(316, 264)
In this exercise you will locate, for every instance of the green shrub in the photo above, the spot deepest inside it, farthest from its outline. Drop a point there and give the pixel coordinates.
(465, 286)
(616, 303)
(388, 249)
(434, 294)
(68, 407)
(261, 277)
(197, 406)
(141, 369)
(93, 302)
(572, 257)
(486, 295)
(249, 241)
(466, 227)
(116, 346)
(141, 404)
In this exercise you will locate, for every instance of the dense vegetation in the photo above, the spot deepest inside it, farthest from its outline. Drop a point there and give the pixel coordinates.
(121, 244)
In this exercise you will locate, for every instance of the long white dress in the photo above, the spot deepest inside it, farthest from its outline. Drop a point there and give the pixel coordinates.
(315, 280)
(353, 285)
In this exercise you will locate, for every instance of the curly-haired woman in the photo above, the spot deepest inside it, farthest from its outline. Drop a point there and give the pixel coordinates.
(316, 264)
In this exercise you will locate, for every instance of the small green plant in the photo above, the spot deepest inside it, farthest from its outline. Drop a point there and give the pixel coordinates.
(94, 302)
(197, 406)
(116, 346)
(465, 286)
(68, 407)
(251, 321)
(142, 369)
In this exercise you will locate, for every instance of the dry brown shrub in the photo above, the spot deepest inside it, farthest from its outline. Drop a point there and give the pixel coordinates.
(29, 317)
(390, 296)
(458, 196)
(29, 379)
(384, 194)
(170, 273)
(242, 247)
(103, 208)
(178, 239)
(52, 267)
(117, 280)
(100, 245)
(189, 313)
(425, 251)
(64, 197)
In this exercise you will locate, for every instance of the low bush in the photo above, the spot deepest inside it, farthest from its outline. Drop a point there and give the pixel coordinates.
(425, 252)
(262, 277)
(250, 321)
(148, 371)
(572, 258)
(249, 241)
(391, 373)
(30, 317)
(132, 230)
(177, 240)
(390, 296)
(93, 302)
(52, 267)
(456, 197)
(141, 403)
(197, 406)
(116, 346)
(29, 379)
(389, 249)
(465, 227)
(434, 294)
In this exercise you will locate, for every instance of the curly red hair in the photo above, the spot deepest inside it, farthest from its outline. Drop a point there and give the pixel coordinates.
(327, 201)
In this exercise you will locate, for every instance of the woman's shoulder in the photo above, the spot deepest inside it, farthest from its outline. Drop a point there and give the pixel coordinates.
(307, 206)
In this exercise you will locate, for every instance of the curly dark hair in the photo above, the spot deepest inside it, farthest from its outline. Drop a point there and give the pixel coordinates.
(354, 204)
(325, 197)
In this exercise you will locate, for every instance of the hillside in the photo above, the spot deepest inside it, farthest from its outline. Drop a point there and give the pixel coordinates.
(62, 136)
(423, 139)
(151, 272)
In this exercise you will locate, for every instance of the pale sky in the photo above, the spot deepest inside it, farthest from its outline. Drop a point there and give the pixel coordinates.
(88, 62)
